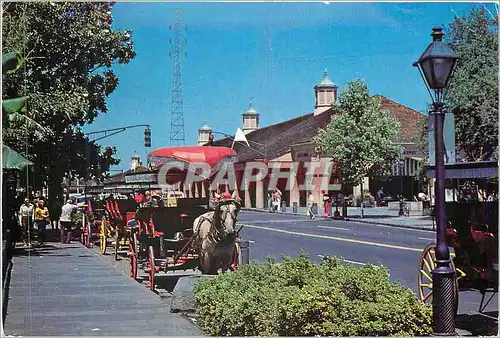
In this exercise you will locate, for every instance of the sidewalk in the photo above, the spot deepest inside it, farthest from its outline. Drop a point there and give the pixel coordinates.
(380, 215)
(65, 289)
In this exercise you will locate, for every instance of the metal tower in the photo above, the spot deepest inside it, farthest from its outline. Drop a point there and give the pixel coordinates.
(177, 114)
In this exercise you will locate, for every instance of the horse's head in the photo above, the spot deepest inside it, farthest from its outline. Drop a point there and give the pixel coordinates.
(226, 215)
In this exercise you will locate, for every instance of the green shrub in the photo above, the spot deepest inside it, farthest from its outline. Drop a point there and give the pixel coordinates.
(298, 298)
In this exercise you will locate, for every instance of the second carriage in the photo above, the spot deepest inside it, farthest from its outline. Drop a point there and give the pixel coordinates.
(471, 233)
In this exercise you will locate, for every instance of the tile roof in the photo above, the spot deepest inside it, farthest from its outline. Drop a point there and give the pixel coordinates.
(279, 137)
(408, 118)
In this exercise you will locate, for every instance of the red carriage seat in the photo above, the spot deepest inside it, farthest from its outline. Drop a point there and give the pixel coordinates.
(117, 210)
(111, 209)
(485, 242)
(107, 206)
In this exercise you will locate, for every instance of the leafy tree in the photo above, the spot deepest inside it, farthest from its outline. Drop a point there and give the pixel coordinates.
(14, 108)
(473, 88)
(360, 136)
(70, 49)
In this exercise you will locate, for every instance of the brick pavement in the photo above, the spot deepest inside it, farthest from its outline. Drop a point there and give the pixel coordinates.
(65, 289)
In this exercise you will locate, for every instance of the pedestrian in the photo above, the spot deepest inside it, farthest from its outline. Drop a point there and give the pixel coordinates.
(278, 199)
(41, 220)
(270, 202)
(26, 221)
(310, 203)
(67, 212)
(326, 203)
(55, 213)
(380, 195)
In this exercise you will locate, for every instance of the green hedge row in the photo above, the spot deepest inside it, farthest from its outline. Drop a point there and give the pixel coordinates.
(298, 298)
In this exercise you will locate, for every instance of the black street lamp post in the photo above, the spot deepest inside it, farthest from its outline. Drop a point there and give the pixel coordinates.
(436, 64)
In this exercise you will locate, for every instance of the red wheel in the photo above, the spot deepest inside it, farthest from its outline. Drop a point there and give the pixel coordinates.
(133, 257)
(82, 236)
(88, 233)
(151, 269)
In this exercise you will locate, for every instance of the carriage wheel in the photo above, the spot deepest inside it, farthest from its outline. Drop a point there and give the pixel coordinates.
(151, 269)
(83, 240)
(85, 231)
(426, 265)
(117, 244)
(102, 236)
(89, 234)
(133, 257)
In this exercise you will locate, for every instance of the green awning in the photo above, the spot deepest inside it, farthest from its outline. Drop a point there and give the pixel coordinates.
(13, 160)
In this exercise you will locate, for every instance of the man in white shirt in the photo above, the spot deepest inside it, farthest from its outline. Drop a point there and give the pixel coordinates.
(67, 211)
(26, 221)
(310, 203)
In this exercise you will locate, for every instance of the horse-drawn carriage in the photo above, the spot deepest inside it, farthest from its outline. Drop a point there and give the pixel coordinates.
(105, 221)
(183, 230)
(472, 234)
(114, 224)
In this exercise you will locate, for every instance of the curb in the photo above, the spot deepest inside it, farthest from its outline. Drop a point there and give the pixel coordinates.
(344, 219)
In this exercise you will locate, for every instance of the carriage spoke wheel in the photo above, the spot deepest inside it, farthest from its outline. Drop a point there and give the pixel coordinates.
(83, 238)
(89, 234)
(151, 268)
(117, 243)
(102, 236)
(133, 256)
(426, 265)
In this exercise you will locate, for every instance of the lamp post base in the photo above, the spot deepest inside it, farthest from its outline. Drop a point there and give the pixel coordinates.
(444, 300)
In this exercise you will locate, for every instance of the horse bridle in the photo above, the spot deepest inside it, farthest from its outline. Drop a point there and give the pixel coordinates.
(217, 232)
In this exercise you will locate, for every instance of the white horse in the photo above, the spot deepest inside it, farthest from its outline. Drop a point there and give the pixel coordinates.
(215, 236)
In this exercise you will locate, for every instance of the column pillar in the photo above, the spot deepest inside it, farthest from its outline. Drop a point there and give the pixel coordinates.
(259, 194)
(294, 191)
(195, 189)
(248, 201)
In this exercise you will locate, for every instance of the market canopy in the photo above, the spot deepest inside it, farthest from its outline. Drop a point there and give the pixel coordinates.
(467, 170)
(192, 154)
(13, 160)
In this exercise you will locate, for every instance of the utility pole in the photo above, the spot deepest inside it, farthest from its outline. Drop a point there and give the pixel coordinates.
(177, 136)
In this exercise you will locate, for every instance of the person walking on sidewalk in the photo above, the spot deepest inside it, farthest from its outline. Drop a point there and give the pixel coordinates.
(310, 203)
(270, 207)
(326, 203)
(41, 220)
(67, 212)
(278, 194)
(26, 221)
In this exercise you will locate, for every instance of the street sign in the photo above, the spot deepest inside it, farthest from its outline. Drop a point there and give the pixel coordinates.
(141, 178)
(449, 139)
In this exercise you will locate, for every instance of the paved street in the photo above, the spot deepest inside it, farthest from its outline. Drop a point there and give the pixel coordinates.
(66, 290)
(396, 248)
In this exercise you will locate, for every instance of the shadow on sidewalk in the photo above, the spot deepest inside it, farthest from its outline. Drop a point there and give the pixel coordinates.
(477, 324)
(46, 250)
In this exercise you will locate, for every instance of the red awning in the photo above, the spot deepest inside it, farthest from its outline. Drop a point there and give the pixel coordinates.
(210, 155)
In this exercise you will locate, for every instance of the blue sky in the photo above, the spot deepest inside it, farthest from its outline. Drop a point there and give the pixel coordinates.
(274, 52)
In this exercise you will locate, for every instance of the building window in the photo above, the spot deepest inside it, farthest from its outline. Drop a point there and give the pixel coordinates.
(321, 97)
